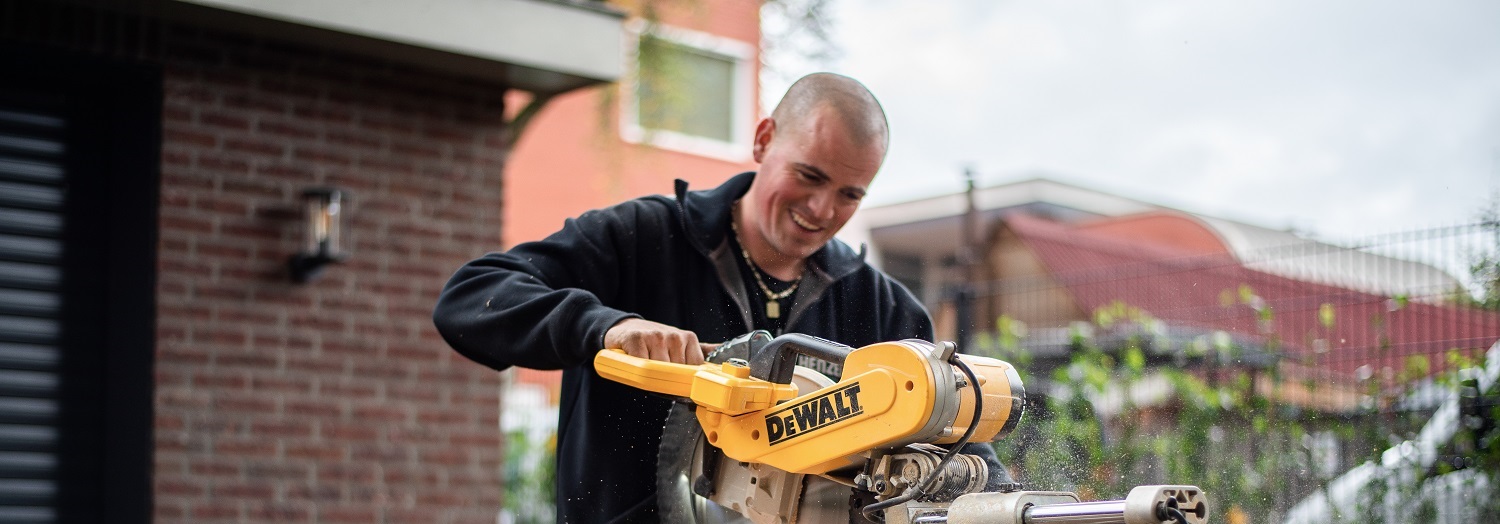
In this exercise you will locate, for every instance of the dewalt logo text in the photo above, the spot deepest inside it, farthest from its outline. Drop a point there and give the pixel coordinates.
(813, 414)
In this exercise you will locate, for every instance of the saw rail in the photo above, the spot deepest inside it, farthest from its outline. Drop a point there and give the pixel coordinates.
(1144, 505)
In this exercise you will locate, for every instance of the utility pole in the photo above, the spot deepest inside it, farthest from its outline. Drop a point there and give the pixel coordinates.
(968, 259)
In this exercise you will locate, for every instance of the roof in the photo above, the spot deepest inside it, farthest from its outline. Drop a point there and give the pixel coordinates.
(933, 225)
(1215, 291)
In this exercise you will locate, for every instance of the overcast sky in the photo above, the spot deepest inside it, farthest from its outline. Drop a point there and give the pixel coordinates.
(1342, 118)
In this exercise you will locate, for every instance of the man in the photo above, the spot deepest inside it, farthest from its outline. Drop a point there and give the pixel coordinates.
(657, 277)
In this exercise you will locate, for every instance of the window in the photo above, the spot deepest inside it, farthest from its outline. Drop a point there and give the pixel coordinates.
(690, 92)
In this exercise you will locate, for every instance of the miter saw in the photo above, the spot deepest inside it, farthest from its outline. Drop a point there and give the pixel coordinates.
(761, 439)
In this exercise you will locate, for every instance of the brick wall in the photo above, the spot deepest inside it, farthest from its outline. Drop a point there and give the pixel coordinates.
(334, 401)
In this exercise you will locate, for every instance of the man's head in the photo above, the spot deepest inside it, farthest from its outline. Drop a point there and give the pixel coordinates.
(818, 153)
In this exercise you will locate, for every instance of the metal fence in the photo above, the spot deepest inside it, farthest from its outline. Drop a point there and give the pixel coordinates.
(1309, 382)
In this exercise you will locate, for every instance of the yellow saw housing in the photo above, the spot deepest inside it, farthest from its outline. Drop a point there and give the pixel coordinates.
(890, 394)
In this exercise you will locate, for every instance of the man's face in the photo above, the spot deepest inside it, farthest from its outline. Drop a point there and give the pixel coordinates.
(811, 180)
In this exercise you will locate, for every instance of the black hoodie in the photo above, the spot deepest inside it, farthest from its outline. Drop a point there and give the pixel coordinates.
(547, 304)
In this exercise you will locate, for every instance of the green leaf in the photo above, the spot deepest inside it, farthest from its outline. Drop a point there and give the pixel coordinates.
(1135, 360)
(1415, 367)
(1325, 315)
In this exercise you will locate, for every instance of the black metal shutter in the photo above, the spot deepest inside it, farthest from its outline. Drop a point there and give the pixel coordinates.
(79, 152)
(31, 246)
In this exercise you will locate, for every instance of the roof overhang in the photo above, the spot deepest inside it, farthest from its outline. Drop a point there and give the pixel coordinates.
(542, 46)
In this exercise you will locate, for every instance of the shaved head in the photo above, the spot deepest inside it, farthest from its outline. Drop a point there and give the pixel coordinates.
(847, 99)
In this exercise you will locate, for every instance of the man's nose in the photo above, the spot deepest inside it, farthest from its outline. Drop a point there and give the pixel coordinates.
(823, 205)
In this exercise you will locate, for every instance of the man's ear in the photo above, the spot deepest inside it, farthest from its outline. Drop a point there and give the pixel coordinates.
(763, 134)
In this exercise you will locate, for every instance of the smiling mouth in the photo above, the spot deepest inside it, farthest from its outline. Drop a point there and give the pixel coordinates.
(804, 224)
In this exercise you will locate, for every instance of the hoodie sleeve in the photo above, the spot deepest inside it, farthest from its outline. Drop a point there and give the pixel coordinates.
(541, 305)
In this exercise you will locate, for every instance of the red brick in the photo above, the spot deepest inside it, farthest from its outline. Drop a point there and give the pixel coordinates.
(221, 120)
(345, 473)
(311, 364)
(178, 487)
(322, 452)
(317, 322)
(201, 225)
(258, 189)
(218, 334)
(278, 470)
(359, 431)
(321, 408)
(355, 514)
(216, 511)
(288, 87)
(165, 509)
(279, 512)
(256, 103)
(444, 457)
(408, 475)
(296, 428)
(245, 404)
(183, 399)
(255, 145)
(443, 499)
(271, 384)
(177, 354)
(244, 447)
(328, 113)
(356, 138)
(317, 493)
(351, 389)
(177, 157)
(418, 392)
(213, 467)
(385, 412)
(222, 164)
(222, 381)
(251, 314)
(322, 155)
(243, 490)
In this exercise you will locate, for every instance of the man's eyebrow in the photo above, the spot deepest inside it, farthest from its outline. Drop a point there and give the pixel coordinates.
(814, 169)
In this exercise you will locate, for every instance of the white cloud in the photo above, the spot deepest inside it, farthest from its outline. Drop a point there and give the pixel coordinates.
(1346, 117)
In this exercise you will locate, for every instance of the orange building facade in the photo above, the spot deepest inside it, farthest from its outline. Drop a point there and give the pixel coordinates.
(589, 149)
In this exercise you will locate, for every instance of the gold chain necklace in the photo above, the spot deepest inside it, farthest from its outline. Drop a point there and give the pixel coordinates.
(773, 300)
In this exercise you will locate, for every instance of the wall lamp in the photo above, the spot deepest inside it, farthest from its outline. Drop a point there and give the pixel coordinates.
(323, 212)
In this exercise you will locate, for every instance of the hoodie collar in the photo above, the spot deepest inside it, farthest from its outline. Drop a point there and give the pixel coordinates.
(705, 216)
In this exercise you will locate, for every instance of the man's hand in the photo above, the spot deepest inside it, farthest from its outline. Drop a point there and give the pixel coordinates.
(647, 339)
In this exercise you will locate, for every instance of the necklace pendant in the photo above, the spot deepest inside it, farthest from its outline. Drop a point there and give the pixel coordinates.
(773, 309)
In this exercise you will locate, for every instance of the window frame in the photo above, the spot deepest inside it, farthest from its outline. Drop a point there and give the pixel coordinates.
(742, 112)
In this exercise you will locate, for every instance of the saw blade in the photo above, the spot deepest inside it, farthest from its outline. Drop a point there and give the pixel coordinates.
(688, 467)
(680, 459)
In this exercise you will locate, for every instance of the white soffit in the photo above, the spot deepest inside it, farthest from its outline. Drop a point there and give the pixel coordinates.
(575, 39)
(1001, 196)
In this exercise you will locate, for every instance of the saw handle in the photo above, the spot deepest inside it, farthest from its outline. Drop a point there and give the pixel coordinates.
(666, 378)
(775, 360)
